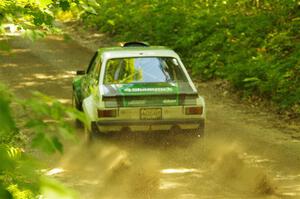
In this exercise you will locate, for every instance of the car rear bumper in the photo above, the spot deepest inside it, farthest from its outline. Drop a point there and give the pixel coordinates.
(147, 125)
(149, 122)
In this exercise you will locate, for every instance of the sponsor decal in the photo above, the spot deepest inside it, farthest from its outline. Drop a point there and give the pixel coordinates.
(169, 101)
(137, 90)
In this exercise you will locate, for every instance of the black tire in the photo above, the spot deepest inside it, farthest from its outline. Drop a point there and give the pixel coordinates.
(93, 134)
(88, 136)
(78, 106)
(75, 103)
(199, 132)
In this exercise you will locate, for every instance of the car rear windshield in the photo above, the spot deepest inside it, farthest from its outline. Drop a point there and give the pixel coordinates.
(143, 70)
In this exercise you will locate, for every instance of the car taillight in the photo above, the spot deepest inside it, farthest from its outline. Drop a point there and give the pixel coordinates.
(107, 113)
(194, 110)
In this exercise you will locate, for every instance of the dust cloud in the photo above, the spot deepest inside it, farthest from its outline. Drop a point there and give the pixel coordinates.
(230, 167)
(162, 167)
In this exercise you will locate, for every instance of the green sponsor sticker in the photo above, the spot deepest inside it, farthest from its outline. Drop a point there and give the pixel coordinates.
(155, 90)
(148, 88)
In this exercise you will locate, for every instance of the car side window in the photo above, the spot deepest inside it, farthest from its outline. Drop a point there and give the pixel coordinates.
(92, 64)
(97, 68)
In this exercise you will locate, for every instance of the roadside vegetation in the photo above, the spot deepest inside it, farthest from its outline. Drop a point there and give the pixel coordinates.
(253, 44)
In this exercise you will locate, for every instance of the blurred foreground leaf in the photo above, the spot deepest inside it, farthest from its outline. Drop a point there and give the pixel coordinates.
(52, 189)
(4, 194)
(45, 120)
(4, 46)
(7, 122)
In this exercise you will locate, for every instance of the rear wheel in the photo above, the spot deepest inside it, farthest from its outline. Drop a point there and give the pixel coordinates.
(78, 106)
(199, 132)
(91, 135)
(88, 135)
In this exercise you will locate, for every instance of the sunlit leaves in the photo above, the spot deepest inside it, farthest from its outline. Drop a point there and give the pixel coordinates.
(88, 8)
(32, 14)
(18, 193)
(16, 173)
(43, 3)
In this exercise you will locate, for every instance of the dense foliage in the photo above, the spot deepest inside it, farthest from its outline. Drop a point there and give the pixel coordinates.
(39, 121)
(255, 44)
(36, 18)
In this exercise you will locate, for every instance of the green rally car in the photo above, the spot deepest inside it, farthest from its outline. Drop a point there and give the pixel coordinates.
(137, 87)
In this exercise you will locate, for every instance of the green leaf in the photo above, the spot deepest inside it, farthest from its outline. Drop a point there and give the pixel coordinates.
(41, 141)
(89, 9)
(52, 189)
(35, 34)
(64, 5)
(7, 163)
(58, 145)
(4, 193)
(93, 3)
(7, 122)
(66, 132)
(111, 22)
(4, 46)
(44, 3)
(57, 110)
(251, 79)
(75, 114)
(33, 123)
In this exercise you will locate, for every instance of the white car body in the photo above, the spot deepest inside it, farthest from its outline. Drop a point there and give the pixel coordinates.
(128, 118)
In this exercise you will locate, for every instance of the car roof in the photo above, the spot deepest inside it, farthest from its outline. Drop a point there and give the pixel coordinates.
(151, 51)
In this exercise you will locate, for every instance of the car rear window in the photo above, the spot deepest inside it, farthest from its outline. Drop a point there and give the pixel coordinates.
(143, 70)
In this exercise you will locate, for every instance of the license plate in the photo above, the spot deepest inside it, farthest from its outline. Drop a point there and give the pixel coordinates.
(151, 113)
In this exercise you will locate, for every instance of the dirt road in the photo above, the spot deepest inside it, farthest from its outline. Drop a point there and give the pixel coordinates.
(246, 153)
